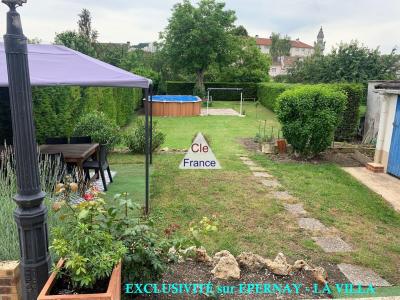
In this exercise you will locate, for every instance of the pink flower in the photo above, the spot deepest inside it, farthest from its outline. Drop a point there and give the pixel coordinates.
(88, 197)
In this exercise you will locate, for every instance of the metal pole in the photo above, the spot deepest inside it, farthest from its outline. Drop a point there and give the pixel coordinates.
(151, 124)
(147, 156)
(208, 99)
(30, 214)
(241, 103)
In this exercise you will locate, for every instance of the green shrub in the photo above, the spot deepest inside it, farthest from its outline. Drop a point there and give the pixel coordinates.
(310, 116)
(268, 93)
(187, 88)
(347, 128)
(135, 138)
(101, 129)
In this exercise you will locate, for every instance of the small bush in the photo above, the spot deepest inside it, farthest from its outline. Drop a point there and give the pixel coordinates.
(309, 117)
(135, 139)
(99, 127)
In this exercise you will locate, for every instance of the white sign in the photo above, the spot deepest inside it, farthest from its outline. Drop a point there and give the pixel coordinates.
(200, 156)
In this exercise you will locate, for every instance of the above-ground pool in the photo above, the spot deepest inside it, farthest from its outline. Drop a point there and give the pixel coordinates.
(176, 106)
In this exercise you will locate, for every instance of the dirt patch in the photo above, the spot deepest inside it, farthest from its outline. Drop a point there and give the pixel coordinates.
(343, 158)
(249, 144)
(191, 272)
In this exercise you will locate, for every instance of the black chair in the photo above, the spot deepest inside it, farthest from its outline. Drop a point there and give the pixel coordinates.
(80, 140)
(99, 166)
(56, 140)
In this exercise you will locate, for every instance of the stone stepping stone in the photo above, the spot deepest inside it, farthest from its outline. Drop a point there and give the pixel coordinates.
(311, 224)
(332, 244)
(262, 175)
(249, 163)
(295, 209)
(271, 183)
(362, 276)
(257, 169)
(283, 195)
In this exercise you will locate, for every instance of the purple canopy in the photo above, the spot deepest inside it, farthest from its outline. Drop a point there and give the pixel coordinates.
(51, 65)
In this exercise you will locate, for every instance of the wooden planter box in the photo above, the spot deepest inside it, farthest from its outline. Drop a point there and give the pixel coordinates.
(113, 291)
(268, 147)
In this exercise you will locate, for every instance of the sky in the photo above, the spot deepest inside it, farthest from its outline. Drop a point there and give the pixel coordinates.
(372, 22)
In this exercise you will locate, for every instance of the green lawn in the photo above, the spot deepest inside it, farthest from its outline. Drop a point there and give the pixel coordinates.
(250, 220)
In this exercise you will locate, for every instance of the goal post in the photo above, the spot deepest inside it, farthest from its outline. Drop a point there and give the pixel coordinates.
(209, 90)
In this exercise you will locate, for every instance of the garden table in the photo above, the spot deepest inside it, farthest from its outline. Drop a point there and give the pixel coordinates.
(75, 154)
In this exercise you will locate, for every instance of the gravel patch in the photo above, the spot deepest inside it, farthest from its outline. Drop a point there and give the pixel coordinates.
(363, 276)
(332, 244)
(311, 224)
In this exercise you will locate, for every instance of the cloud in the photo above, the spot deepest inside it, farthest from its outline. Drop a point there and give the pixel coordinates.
(369, 21)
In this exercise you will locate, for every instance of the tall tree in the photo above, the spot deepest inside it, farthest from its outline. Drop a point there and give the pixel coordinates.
(251, 65)
(85, 26)
(84, 40)
(198, 36)
(280, 46)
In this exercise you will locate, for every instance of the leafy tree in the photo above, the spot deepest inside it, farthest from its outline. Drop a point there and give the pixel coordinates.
(197, 37)
(280, 46)
(84, 40)
(348, 63)
(251, 65)
(74, 40)
(240, 31)
(85, 26)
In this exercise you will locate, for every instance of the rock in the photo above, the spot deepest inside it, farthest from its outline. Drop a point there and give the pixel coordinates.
(219, 255)
(166, 149)
(279, 266)
(320, 275)
(300, 265)
(252, 262)
(202, 256)
(227, 268)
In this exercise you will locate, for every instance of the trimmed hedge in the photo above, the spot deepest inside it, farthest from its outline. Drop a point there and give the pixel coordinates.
(268, 94)
(309, 115)
(347, 129)
(186, 88)
(57, 109)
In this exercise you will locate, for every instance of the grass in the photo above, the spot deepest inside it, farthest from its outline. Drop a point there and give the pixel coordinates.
(250, 220)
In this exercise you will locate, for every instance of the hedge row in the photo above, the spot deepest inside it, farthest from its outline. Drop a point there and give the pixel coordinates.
(57, 109)
(269, 92)
(186, 88)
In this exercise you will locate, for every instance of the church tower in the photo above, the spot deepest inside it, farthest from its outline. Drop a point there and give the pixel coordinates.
(319, 45)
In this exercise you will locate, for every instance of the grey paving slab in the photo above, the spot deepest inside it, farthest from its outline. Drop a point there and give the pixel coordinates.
(271, 183)
(311, 224)
(283, 195)
(262, 175)
(257, 169)
(332, 244)
(249, 163)
(295, 209)
(362, 276)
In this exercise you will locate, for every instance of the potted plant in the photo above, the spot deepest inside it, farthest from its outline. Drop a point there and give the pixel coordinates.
(90, 255)
(281, 144)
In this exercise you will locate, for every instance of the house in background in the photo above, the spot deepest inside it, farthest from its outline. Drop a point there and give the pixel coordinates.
(146, 47)
(299, 50)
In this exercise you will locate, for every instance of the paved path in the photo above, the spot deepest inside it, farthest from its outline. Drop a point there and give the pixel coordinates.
(327, 238)
(383, 184)
(219, 112)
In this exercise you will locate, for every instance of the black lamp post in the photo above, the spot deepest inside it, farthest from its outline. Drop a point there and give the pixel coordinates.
(30, 214)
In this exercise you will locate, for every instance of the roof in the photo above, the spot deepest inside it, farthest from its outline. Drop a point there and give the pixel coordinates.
(294, 44)
(54, 65)
(388, 85)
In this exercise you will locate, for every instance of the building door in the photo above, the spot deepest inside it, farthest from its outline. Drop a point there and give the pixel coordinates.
(394, 155)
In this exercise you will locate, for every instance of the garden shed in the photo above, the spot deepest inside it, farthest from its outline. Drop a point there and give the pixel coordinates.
(387, 153)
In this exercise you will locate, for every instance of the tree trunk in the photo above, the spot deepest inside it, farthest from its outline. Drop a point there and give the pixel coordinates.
(199, 88)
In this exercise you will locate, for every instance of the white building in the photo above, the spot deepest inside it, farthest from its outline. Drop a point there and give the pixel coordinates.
(383, 120)
(298, 50)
